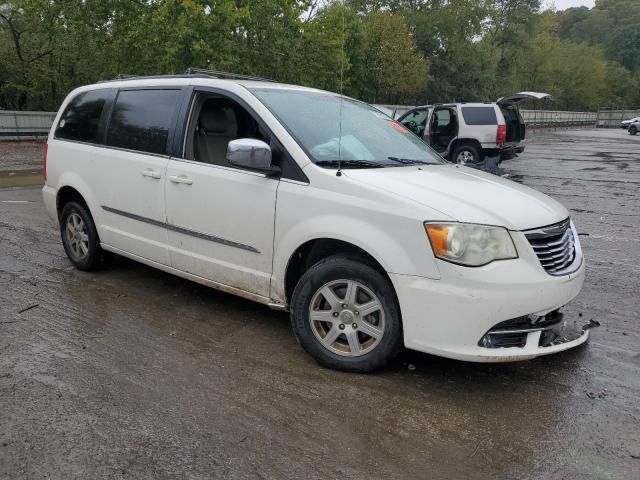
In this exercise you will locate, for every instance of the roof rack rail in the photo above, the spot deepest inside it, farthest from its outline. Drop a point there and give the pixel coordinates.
(221, 74)
(124, 76)
(190, 72)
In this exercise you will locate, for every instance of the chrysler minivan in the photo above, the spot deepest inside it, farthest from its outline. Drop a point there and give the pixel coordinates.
(315, 203)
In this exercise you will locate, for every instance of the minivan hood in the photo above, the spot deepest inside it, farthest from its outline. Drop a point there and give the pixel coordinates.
(466, 195)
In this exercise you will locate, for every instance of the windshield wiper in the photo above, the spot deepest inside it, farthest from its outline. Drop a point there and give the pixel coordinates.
(349, 164)
(409, 161)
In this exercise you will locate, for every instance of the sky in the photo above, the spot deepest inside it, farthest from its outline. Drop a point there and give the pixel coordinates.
(563, 4)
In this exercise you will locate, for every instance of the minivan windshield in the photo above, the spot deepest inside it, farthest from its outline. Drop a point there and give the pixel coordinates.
(339, 131)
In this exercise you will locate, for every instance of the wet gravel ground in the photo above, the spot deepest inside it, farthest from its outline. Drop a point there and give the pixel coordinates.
(133, 373)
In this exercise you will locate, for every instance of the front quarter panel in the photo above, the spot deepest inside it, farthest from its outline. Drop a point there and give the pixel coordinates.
(387, 227)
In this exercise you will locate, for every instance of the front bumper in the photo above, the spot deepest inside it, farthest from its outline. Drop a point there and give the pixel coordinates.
(449, 316)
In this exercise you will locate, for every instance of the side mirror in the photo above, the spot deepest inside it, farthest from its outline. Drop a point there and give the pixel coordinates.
(252, 154)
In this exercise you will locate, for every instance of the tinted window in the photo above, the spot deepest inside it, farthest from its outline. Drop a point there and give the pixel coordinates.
(141, 120)
(81, 118)
(479, 115)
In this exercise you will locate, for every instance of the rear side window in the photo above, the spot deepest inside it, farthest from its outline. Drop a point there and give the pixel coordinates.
(141, 120)
(479, 115)
(81, 119)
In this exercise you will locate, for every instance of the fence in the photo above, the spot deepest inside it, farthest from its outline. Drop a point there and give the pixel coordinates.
(609, 118)
(533, 118)
(559, 119)
(14, 125)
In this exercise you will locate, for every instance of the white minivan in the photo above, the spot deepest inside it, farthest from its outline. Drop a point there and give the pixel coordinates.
(319, 204)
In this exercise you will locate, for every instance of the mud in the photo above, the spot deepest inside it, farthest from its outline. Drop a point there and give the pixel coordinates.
(133, 373)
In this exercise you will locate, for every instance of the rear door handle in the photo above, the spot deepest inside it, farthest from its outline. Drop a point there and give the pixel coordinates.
(151, 173)
(180, 179)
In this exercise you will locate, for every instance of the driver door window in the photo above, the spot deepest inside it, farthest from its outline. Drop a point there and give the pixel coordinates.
(416, 120)
(215, 121)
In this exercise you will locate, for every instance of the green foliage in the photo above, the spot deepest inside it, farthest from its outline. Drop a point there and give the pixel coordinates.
(613, 25)
(329, 44)
(396, 70)
(396, 51)
(448, 35)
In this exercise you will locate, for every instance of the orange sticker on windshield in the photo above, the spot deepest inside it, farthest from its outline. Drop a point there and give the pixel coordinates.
(397, 126)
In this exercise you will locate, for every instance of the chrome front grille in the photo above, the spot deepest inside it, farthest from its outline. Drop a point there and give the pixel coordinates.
(554, 245)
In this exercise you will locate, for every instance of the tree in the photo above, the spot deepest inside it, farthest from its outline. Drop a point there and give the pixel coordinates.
(449, 35)
(396, 70)
(413, 51)
(331, 46)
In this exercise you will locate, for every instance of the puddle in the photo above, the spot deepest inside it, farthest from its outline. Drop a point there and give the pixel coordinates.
(21, 178)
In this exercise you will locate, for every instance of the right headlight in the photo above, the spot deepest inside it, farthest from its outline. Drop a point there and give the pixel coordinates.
(470, 244)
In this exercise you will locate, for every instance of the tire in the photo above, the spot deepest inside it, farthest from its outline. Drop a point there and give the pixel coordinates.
(80, 238)
(466, 153)
(338, 338)
(633, 130)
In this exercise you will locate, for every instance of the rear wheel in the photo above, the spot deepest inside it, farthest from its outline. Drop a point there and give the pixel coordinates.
(633, 130)
(79, 237)
(466, 154)
(345, 314)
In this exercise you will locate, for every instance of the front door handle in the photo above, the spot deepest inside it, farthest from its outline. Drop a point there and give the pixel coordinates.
(151, 173)
(180, 179)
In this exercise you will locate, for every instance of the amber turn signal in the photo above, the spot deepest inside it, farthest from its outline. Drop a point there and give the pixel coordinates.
(438, 235)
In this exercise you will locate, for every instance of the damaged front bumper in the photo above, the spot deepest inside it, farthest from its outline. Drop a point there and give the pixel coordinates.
(554, 329)
(502, 312)
(532, 332)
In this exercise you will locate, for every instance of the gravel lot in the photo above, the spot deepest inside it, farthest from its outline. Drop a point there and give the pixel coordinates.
(133, 373)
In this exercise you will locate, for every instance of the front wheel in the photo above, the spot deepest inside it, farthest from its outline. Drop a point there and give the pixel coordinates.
(345, 314)
(633, 130)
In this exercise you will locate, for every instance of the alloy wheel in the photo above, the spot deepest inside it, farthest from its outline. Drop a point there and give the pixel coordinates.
(347, 318)
(464, 157)
(77, 236)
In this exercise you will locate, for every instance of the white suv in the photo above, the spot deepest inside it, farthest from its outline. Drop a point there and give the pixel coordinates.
(304, 200)
(467, 132)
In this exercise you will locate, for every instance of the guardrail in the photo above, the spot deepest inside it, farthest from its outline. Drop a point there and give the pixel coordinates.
(559, 119)
(16, 125)
(533, 118)
(610, 118)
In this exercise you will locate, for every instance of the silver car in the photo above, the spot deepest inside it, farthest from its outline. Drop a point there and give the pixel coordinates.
(467, 132)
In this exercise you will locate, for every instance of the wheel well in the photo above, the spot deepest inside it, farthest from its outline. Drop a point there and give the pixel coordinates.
(311, 252)
(66, 195)
(466, 141)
